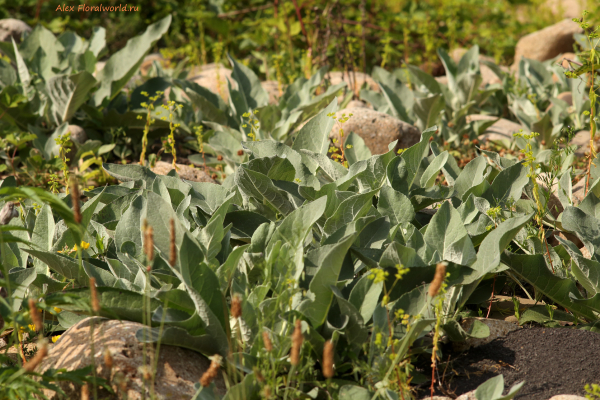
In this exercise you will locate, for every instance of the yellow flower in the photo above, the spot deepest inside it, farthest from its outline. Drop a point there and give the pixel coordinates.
(58, 310)
(55, 338)
(85, 245)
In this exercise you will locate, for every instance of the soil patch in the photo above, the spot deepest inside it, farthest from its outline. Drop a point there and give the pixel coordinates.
(552, 361)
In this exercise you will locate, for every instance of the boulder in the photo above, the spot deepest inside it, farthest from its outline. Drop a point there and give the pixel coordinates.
(566, 8)
(14, 28)
(78, 134)
(184, 172)
(567, 397)
(547, 43)
(357, 104)
(354, 80)
(502, 130)
(377, 129)
(272, 88)
(213, 77)
(178, 369)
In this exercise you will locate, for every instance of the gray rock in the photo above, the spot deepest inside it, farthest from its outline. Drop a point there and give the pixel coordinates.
(15, 28)
(357, 104)
(377, 129)
(354, 80)
(547, 43)
(567, 397)
(178, 369)
(184, 172)
(78, 134)
(213, 77)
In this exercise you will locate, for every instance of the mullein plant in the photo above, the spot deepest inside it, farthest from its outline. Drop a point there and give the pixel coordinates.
(64, 146)
(171, 106)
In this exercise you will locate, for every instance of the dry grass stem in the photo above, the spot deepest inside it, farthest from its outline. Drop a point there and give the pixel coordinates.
(438, 279)
(173, 247)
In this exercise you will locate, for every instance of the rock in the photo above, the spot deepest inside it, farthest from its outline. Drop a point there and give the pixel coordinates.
(377, 129)
(442, 79)
(272, 88)
(178, 369)
(567, 397)
(357, 104)
(578, 191)
(213, 77)
(566, 8)
(149, 61)
(354, 80)
(184, 172)
(569, 56)
(498, 328)
(547, 43)
(512, 319)
(502, 130)
(15, 28)
(467, 396)
(78, 134)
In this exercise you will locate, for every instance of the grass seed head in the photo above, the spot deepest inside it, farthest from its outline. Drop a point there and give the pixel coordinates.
(328, 359)
(149, 243)
(35, 315)
(42, 352)
(212, 372)
(297, 340)
(108, 359)
(236, 306)
(438, 279)
(85, 392)
(75, 199)
(267, 341)
(94, 295)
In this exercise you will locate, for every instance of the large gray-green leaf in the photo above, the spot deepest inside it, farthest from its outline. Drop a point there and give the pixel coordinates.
(432, 171)
(488, 256)
(249, 85)
(350, 209)
(395, 205)
(314, 136)
(533, 269)
(328, 259)
(259, 186)
(428, 110)
(200, 282)
(358, 150)
(507, 185)
(585, 226)
(447, 234)
(68, 93)
(123, 64)
(471, 176)
(414, 155)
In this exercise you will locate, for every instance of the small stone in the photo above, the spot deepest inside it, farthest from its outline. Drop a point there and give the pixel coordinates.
(178, 369)
(377, 129)
(567, 397)
(512, 319)
(184, 172)
(467, 396)
(547, 43)
(11, 27)
(78, 134)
